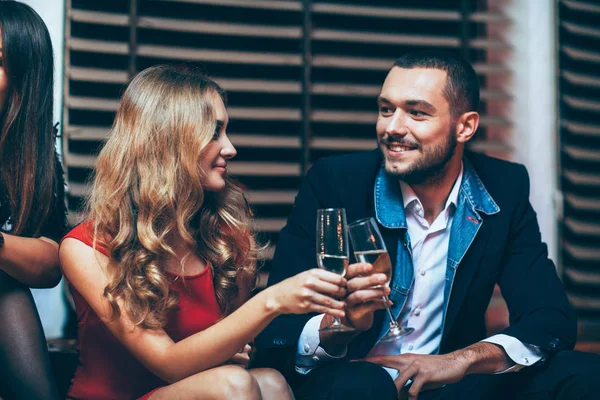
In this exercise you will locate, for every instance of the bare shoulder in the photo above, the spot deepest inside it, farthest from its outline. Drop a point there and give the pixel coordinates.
(73, 249)
(86, 270)
(82, 264)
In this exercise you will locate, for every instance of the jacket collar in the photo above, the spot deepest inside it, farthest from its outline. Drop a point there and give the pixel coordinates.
(476, 194)
(389, 206)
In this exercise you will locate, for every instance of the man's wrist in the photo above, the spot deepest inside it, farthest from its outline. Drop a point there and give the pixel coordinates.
(484, 358)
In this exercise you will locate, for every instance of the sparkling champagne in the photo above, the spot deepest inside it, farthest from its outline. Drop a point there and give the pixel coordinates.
(335, 264)
(380, 260)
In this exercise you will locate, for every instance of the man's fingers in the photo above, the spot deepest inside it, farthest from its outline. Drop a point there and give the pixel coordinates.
(405, 374)
(364, 282)
(415, 388)
(368, 307)
(358, 269)
(367, 295)
(386, 361)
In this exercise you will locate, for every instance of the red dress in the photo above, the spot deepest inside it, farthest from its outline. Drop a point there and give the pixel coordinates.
(106, 369)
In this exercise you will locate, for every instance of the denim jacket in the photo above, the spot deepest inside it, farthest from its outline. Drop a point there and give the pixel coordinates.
(389, 211)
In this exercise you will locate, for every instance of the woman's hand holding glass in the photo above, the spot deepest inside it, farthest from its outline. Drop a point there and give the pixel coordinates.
(332, 252)
(315, 290)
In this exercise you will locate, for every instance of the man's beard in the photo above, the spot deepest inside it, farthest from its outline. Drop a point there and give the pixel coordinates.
(431, 167)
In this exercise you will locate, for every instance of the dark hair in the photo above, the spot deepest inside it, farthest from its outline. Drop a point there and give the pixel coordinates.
(27, 138)
(462, 84)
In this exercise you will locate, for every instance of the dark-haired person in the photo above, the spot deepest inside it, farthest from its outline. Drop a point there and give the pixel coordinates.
(455, 224)
(32, 209)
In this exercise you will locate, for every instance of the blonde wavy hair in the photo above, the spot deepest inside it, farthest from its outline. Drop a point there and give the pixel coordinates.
(148, 186)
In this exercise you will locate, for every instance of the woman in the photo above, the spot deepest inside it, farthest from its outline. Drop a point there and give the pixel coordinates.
(161, 272)
(32, 210)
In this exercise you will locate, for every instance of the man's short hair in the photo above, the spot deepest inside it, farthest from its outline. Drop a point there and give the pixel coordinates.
(462, 84)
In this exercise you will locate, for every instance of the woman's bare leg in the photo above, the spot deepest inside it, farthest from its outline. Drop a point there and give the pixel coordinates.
(273, 385)
(225, 382)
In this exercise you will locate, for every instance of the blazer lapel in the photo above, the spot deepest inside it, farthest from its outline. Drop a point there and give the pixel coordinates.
(469, 236)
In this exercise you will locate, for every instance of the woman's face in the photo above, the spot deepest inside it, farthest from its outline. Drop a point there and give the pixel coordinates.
(3, 78)
(218, 151)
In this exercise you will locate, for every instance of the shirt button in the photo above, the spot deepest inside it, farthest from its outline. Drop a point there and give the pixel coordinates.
(306, 348)
(526, 360)
(417, 311)
(410, 347)
(423, 272)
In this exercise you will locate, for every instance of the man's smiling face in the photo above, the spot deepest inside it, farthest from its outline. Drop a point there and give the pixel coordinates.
(415, 127)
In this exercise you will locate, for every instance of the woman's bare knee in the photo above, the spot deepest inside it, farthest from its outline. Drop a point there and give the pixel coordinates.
(272, 384)
(238, 383)
(221, 383)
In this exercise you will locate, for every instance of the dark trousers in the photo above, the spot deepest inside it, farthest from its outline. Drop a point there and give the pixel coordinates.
(569, 375)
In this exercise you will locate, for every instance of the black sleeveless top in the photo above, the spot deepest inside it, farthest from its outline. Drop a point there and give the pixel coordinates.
(55, 226)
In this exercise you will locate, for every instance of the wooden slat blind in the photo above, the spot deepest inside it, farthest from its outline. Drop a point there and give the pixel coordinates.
(579, 61)
(302, 76)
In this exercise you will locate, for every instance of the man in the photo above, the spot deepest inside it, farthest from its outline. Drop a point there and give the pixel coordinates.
(455, 224)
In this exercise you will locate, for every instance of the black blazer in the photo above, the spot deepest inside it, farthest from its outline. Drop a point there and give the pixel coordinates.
(507, 250)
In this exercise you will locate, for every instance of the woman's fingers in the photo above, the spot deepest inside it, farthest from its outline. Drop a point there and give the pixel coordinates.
(239, 359)
(312, 301)
(246, 349)
(326, 310)
(326, 301)
(315, 290)
(325, 287)
(326, 276)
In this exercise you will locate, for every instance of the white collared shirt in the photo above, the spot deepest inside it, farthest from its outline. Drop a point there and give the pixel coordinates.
(423, 310)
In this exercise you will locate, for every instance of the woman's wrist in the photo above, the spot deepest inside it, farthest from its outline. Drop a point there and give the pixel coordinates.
(270, 300)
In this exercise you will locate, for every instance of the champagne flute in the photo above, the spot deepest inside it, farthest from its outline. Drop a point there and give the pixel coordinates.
(369, 247)
(332, 250)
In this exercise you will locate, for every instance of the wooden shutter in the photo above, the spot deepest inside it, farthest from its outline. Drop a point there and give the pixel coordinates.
(579, 62)
(302, 76)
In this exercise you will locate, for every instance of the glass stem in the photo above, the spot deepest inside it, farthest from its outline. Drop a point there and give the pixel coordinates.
(393, 322)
